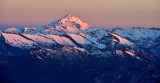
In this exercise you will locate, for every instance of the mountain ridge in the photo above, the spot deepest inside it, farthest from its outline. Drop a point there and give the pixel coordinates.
(73, 32)
(62, 52)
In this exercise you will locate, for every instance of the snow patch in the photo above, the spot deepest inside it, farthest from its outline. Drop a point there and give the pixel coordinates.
(121, 40)
(61, 40)
(17, 40)
(130, 53)
(81, 49)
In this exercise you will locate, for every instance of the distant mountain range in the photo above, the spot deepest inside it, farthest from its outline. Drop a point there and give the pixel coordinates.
(72, 37)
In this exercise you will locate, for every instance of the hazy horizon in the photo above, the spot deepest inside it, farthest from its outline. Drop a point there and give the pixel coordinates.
(104, 13)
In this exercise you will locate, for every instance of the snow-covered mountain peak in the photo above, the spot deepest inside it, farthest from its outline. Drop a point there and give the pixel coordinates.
(29, 30)
(69, 23)
(13, 30)
(68, 15)
(70, 18)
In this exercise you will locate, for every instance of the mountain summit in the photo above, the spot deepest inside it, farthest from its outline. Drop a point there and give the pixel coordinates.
(69, 23)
